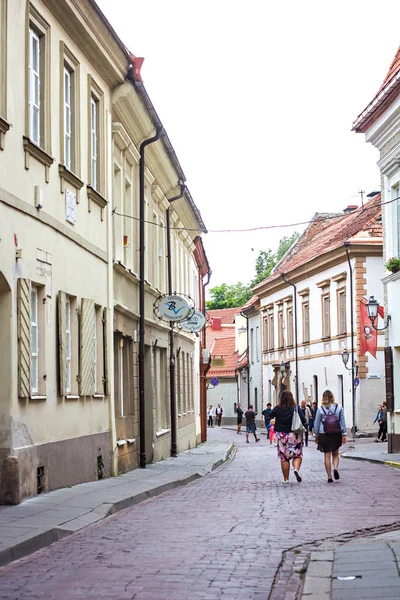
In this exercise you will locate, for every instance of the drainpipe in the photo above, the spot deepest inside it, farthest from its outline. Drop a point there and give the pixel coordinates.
(295, 334)
(204, 370)
(353, 388)
(174, 451)
(142, 450)
(248, 359)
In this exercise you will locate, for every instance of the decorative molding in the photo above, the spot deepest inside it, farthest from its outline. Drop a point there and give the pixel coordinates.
(339, 277)
(304, 292)
(391, 277)
(69, 177)
(324, 283)
(4, 127)
(97, 198)
(32, 149)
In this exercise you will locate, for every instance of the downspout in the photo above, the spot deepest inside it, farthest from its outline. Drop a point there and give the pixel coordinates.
(353, 388)
(204, 371)
(142, 448)
(174, 450)
(248, 359)
(295, 334)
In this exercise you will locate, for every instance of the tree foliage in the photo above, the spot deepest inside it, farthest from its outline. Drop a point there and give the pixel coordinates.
(231, 296)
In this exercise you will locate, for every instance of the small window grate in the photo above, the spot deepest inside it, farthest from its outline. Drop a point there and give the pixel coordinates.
(100, 467)
(40, 480)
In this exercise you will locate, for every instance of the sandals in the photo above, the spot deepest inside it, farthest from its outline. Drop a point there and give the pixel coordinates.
(336, 474)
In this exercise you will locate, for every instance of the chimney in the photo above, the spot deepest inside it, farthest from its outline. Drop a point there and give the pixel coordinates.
(350, 208)
(216, 323)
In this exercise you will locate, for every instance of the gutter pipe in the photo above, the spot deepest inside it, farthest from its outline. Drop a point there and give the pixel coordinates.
(353, 388)
(172, 392)
(142, 448)
(295, 334)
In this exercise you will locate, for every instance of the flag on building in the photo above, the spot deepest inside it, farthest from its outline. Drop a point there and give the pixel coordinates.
(368, 335)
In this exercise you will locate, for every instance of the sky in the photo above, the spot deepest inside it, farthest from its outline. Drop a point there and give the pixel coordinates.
(258, 100)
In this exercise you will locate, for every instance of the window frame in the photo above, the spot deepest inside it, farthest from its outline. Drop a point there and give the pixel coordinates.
(96, 98)
(306, 322)
(289, 327)
(341, 293)
(271, 331)
(35, 348)
(281, 337)
(326, 319)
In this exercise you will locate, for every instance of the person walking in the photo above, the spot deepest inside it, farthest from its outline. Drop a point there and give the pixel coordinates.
(218, 414)
(330, 432)
(239, 416)
(210, 414)
(312, 417)
(289, 443)
(384, 421)
(307, 415)
(378, 418)
(251, 424)
(265, 413)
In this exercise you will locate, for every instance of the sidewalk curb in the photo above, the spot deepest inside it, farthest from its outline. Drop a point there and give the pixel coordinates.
(391, 463)
(388, 463)
(102, 511)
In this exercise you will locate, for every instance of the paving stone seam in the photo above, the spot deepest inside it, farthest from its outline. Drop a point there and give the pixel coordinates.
(55, 534)
(303, 552)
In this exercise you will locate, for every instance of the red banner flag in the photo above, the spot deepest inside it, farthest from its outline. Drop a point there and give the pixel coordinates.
(368, 335)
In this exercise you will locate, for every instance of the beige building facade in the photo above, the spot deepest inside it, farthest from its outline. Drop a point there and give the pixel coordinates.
(71, 125)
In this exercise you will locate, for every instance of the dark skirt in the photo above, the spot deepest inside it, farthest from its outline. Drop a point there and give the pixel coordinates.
(329, 442)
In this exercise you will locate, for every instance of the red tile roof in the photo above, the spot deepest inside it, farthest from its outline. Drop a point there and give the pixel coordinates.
(324, 235)
(227, 315)
(224, 348)
(386, 94)
(254, 300)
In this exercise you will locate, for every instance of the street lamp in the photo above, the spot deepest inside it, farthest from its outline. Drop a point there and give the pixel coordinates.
(282, 368)
(354, 372)
(373, 311)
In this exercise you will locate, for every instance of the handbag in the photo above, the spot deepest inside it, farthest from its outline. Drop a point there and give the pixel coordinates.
(297, 425)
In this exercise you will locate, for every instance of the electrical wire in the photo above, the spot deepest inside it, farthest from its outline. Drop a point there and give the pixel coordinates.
(264, 227)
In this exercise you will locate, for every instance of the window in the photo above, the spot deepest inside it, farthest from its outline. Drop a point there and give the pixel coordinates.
(160, 373)
(280, 328)
(67, 344)
(265, 334)
(178, 383)
(94, 128)
(34, 341)
(271, 332)
(123, 375)
(258, 344)
(341, 308)
(395, 193)
(34, 87)
(67, 117)
(289, 318)
(252, 345)
(326, 325)
(3, 63)
(92, 375)
(306, 322)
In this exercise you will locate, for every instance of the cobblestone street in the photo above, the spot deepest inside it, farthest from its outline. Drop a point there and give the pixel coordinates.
(221, 537)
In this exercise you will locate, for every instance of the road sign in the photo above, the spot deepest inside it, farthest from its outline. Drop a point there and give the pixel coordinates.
(214, 381)
(356, 381)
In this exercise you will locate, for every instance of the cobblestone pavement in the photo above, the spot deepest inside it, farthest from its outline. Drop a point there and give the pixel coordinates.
(236, 533)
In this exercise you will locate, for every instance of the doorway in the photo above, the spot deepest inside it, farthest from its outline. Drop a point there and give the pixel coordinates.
(148, 406)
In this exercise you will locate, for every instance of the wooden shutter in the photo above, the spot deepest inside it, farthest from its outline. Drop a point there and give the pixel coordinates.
(24, 337)
(105, 352)
(62, 342)
(389, 378)
(86, 358)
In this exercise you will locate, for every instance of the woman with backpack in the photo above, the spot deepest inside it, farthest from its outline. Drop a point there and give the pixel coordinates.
(330, 432)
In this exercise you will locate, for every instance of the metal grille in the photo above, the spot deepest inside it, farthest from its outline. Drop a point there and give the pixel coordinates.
(40, 480)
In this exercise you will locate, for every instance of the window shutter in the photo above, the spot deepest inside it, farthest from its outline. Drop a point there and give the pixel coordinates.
(105, 353)
(24, 337)
(86, 359)
(62, 342)
(389, 378)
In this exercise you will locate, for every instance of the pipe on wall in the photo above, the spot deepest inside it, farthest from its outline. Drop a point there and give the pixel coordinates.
(142, 447)
(295, 333)
(353, 387)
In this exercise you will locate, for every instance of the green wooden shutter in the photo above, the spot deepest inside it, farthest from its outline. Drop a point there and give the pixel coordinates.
(389, 378)
(62, 354)
(24, 337)
(86, 359)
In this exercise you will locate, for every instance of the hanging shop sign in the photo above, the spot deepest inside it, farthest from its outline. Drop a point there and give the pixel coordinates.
(195, 322)
(172, 308)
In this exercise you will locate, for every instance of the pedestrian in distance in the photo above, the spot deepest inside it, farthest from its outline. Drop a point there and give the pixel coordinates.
(330, 432)
(218, 414)
(239, 416)
(210, 414)
(271, 433)
(307, 415)
(251, 424)
(289, 443)
(312, 417)
(384, 420)
(265, 413)
(379, 418)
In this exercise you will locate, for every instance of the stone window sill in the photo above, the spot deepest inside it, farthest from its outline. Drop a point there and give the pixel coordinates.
(32, 149)
(162, 432)
(4, 127)
(68, 176)
(37, 397)
(94, 196)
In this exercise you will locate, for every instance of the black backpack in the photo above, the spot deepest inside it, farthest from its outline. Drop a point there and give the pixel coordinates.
(331, 421)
